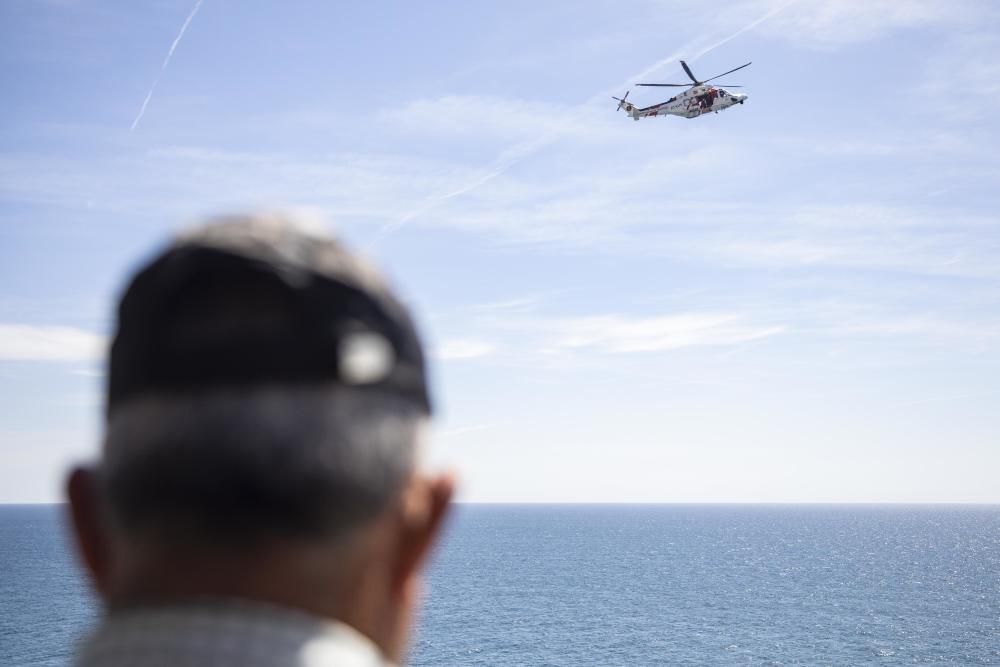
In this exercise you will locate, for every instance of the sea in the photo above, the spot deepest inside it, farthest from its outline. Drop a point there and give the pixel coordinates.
(632, 585)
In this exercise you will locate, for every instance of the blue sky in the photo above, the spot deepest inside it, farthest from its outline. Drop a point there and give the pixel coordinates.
(795, 300)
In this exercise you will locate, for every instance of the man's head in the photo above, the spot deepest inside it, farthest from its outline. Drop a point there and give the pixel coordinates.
(266, 393)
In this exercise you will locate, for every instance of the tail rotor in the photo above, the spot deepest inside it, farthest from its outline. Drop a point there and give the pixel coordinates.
(622, 103)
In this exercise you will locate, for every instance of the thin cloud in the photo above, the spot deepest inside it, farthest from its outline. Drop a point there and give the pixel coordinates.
(535, 339)
(24, 342)
(89, 372)
(951, 397)
(598, 208)
(971, 63)
(522, 304)
(923, 327)
(933, 243)
(820, 24)
(465, 430)
(463, 348)
(618, 334)
(460, 117)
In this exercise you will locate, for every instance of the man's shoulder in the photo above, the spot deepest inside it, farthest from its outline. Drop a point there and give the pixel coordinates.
(200, 633)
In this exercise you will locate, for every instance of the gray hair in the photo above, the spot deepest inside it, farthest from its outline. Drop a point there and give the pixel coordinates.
(238, 467)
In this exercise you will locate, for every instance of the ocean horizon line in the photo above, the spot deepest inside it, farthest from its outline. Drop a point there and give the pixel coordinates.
(651, 503)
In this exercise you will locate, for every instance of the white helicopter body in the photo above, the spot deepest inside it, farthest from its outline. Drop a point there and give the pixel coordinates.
(698, 99)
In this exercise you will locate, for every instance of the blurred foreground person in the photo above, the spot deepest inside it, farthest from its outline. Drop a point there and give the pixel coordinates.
(257, 501)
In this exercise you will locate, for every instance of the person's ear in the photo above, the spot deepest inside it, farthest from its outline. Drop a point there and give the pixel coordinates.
(90, 527)
(425, 506)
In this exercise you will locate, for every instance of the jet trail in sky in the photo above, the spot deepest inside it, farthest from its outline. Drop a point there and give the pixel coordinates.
(520, 152)
(166, 61)
(725, 40)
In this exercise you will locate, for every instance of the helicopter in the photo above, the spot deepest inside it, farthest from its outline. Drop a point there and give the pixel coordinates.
(698, 99)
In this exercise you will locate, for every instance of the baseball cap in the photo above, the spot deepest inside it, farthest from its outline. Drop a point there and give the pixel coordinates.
(252, 301)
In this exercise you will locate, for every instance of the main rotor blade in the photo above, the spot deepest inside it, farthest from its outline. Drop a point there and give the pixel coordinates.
(725, 73)
(664, 85)
(689, 73)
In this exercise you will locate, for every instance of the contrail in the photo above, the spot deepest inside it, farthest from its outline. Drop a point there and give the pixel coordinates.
(166, 61)
(519, 152)
(725, 40)
(505, 161)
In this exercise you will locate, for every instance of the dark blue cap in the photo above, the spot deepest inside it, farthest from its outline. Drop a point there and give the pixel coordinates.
(247, 302)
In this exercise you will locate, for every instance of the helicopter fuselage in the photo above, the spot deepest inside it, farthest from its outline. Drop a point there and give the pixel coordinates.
(693, 102)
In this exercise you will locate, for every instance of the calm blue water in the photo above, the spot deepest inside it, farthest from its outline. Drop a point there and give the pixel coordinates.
(635, 585)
